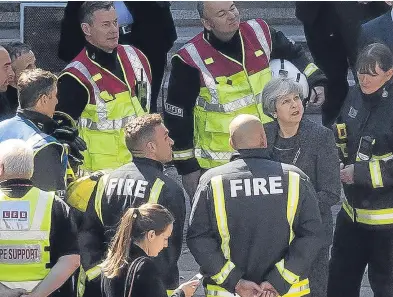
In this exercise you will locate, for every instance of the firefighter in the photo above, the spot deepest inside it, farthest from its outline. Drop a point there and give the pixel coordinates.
(38, 240)
(103, 87)
(363, 234)
(131, 185)
(255, 225)
(219, 74)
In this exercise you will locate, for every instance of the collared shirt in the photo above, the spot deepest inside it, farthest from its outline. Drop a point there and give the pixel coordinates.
(124, 16)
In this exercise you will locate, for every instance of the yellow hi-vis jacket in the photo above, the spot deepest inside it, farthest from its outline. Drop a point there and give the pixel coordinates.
(111, 104)
(25, 225)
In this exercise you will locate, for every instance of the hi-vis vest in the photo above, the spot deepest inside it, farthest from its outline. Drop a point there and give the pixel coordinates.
(111, 104)
(25, 225)
(298, 287)
(228, 88)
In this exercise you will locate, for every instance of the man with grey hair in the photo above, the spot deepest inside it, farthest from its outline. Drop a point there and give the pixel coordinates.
(22, 58)
(6, 76)
(38, 240)
(218, 74)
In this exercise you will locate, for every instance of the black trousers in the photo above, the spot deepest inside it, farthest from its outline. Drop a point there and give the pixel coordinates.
(355, 247)
(333, 44)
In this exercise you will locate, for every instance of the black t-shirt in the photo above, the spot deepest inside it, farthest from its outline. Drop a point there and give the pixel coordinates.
(63, 232)
(286, 150)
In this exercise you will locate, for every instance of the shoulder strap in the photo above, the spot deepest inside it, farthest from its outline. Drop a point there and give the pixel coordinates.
(135, 265)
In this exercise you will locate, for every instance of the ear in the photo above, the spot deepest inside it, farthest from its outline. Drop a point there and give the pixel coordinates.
(86, 29)
(231, 143)
(151, 146)
(389, 73)
(1, 170)
(151, 235)
(206, 24)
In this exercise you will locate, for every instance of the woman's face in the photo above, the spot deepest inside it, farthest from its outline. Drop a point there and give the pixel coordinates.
(156, 243)
(289, 109)
(370, 83)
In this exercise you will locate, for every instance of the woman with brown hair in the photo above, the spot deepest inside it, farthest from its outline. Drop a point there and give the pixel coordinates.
(128, 269)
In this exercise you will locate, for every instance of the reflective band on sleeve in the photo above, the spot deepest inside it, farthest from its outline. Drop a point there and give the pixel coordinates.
(310, 69)
(169, 292)
(299, 289)
(93, 272)
(260, 36)
(98, 198)
(222, 224)
(369, 216)
(221, 215)
(293, 200)
(286, 274)
(220, 277)
(183, 155)
(206, 75)
(156, 191)
(216, 291)
(375, 173)
(227, 107)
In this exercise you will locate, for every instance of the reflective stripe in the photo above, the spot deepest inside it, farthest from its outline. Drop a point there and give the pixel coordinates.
(293, 200)
(93, 272)
(23, 235)
(100, 191)
(183, 155)
(81, 284)
(286, 274)
(110, 125)
(137, 66)
(369, 216)
(212, 290)
(227, 107)
(221, 215)
(169, 292)
(36, 138)
(260, 36)
(41, 209)
(301, 288)
(385, 157)
(218, 156)
(100, 104)
(155, 191)
(206, 75)
(375, 173)
(310, 69)
(27, 285)
(220, 277)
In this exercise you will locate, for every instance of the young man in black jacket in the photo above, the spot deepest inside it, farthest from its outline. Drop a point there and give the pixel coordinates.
(132, 185)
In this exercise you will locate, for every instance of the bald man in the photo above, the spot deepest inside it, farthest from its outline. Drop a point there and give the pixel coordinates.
(6, 76)
(255, 226)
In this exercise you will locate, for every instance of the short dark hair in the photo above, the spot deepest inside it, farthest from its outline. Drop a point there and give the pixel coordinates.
(16, 49)
(32, 84)
(373, 55)
(140, 130)
(90, 7)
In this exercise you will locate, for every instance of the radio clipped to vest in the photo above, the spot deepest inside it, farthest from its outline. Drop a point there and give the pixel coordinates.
(365, 149)
(341, 141)
(141, 89)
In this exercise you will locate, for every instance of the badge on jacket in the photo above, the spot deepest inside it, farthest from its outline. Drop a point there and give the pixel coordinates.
(352, 112)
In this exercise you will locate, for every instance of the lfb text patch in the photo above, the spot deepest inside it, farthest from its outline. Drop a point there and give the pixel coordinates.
(20, 254)
(14, 215)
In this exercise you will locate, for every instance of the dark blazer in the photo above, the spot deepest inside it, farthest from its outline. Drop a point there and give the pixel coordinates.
(318, 159)
(377, 30)
(147, 282)
(308, 11)
(153, 28)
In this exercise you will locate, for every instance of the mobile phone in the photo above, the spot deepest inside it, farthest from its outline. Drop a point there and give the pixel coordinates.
(197, 277)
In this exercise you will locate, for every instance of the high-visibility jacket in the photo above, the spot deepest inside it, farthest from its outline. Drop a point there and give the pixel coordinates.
(369, 200)
(254, 219)
(19, 127)
(131, 185)
(25, 225)
(111, 104)
(228, 88)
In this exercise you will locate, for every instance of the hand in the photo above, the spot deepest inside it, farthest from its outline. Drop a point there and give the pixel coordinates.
(189, 287)
(190, 182)
(342, 166)
(269, 290)
(347, 174)
(317, 96)
(247, 288)
(69, 136)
